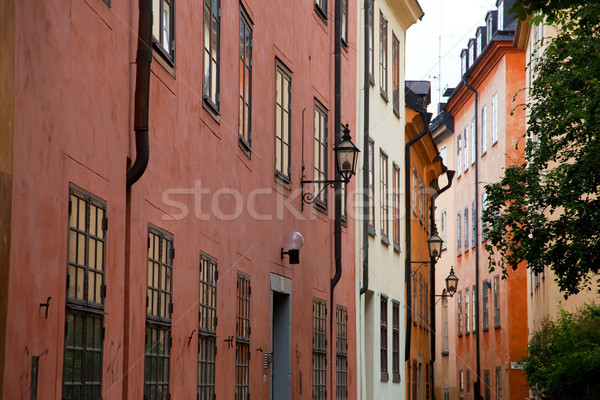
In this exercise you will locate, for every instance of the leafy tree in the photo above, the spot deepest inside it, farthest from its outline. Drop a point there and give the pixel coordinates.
(564, 356)
(546, 208)
(555, 10)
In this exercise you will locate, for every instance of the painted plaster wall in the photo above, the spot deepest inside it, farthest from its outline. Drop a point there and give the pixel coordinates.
(386, 262)
(499, 346)
(74, 78)
(445, 364)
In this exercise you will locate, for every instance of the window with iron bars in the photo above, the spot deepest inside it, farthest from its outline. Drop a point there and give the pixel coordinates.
(341, 390)
(242, 339)
(319, 356)
(159, 308)
(383, 330)
(86, 290)
(496, 301)
(395, 341)
(207, 327)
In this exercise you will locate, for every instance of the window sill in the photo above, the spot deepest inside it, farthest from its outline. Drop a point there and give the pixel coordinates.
(322, 14)
(445, 353)
(396, 112)
(385, 240)
(385, 376)
(371, 80)
(395, 377)
(159, 55)
(344, 44)
(211, 109)
(344, 221)
(483, 153)
(383, 95)
(372, 230)
(396, 247)
(283, 180)
(320, 206)
(245, 147)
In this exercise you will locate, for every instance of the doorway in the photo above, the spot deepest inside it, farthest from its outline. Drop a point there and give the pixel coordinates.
(281, 338)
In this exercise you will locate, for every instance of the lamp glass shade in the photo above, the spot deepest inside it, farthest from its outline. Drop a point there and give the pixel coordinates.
(346, 156)
(435, 245)
(293, 240)
(451, 282)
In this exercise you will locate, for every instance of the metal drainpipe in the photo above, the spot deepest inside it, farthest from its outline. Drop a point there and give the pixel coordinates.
(366, 213)
(450, 175)
(338, 192)
(477, 383)
(426, 117)
(142, 93)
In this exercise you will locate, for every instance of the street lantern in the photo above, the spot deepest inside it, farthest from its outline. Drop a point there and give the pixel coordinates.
(292, 242)
(346, 155)
(435, 245)
(451, 282)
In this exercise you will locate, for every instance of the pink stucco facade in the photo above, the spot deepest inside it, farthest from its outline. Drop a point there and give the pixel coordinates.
(74, 77)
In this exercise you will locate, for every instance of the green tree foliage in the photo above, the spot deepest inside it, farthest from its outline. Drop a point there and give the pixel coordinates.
(546, 208)
(556, 10)
(564, 356)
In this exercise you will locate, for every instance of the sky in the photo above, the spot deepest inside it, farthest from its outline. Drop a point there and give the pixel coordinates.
(433, 44)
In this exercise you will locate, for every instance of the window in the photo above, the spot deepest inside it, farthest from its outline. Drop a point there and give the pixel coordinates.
(319, 378)
(212, 43)
(371, 185)
(443, 154)
(489, 27)
(344, 23)
(383, 55)
(342, 353)
(163, 28)
(458, 233)
(461, 385)
(483, 224)
(396, 73)
(483, 130)
(283, 123)
(321, 8)
(408, 380)
(458, 156)
(320, 154)
(445, 344)
(395, 341)
(496, 301)
(467, 311)
(444, 227)
(468, 384)
(486, 384)
(207, 327)
(460, 311)
(414, 304)
(473, 141)
(495, 118)
(463, 62)
(242, 339)
(500, 15)
(414, 191)
(371, 54)
(414, 382)
(466, 234)
(485, 296)
(159, 308)
(420, 299)
(475, 308)
(446, 393)
(396, 205)
(498, 383)
(427, 391)
(473, 225)
(383, 194)
(466, 145)
(83, 352)
(421, 199)
(383, 324)
(245, 117)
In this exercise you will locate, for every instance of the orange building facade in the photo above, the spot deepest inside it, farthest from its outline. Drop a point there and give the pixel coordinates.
(174, 284)
(425, 167)
(491, 334)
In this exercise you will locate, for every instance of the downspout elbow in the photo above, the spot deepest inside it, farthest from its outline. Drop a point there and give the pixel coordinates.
(142, 93)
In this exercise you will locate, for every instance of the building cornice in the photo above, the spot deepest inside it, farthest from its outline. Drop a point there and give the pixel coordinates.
(407, 12)
(482, 68)
(522, 34)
